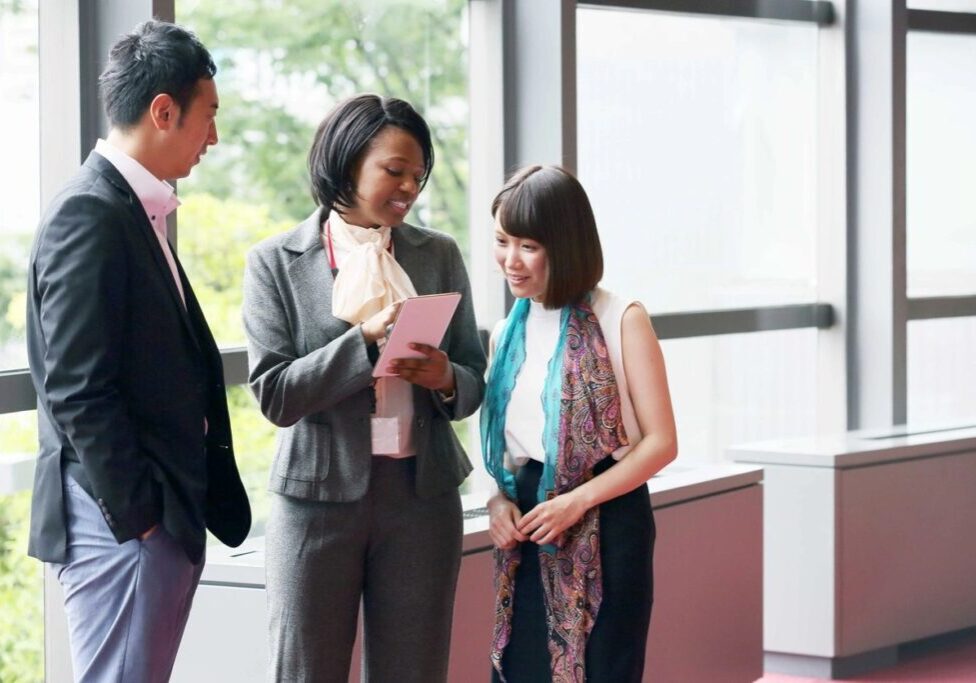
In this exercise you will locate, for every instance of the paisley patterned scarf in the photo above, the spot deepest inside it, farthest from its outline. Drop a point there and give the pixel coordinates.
(582, 426)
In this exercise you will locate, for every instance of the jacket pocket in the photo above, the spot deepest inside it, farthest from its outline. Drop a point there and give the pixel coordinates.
(304, 452)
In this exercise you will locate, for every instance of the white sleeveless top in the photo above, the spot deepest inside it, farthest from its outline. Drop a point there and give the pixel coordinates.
(524, 419)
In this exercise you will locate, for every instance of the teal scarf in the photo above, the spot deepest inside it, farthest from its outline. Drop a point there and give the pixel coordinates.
(505, 367)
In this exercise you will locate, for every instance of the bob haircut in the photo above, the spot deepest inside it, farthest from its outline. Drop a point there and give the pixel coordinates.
(344, 136)
(157, 57)
(547, 204)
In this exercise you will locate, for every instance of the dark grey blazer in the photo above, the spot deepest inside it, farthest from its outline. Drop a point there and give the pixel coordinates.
(125, 376)
(310, 371)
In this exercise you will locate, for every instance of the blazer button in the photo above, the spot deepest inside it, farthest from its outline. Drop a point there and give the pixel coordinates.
(420, 422)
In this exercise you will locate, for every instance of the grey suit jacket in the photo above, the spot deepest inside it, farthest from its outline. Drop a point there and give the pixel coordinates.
(310, 371)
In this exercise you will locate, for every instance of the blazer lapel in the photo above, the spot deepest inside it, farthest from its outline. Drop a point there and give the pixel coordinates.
(311, 281)
(164, 271)
(142, 224)
(408, 249)
(192, 313)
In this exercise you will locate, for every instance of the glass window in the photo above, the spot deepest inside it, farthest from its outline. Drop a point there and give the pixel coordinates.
(21, 586)
(697, 141)
(944, 5)
(275, 85)
(739, 388)
(20, 181)
(254, 447)
(941, 371)
(941, 164)
(21, 595)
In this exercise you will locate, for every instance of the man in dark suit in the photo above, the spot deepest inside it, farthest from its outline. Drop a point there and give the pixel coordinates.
(135, 459)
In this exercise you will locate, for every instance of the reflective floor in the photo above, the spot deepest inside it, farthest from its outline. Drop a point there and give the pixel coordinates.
(950, 659)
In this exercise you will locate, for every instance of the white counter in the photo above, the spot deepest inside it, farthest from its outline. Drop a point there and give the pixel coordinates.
(859, 448)
(706, 624)
(868, 545)
(244, 565)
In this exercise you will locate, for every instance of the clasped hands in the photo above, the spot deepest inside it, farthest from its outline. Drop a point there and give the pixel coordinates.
(544, 524)
(433, 371)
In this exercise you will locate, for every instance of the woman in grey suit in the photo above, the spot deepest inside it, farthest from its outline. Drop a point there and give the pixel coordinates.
(366, 505)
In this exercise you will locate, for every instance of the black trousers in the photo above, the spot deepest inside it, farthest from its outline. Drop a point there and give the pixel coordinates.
(615, 649)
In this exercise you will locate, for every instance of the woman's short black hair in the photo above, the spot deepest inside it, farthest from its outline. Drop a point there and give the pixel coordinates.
(344, 136)
(157, 57)
(547, 204)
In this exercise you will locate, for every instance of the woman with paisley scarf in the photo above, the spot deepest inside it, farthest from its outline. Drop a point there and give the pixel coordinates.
(577, 417)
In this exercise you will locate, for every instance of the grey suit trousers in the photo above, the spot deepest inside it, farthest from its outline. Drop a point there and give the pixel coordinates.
(396, 552)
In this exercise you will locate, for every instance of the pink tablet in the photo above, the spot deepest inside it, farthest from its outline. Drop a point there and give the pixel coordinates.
(421, 320)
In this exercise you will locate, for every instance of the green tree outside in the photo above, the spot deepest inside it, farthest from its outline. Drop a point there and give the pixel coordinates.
(415, 50)
(21, 596)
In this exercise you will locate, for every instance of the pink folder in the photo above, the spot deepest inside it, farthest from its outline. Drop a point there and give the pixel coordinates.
(421, 320)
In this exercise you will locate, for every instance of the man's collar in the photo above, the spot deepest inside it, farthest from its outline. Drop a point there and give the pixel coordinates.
(157, 196)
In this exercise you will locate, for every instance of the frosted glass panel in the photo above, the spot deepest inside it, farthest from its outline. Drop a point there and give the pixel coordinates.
(739, 388)
(942, 371)
(944, 5)
(941, 170)
(697, 141)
